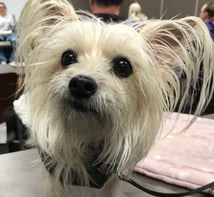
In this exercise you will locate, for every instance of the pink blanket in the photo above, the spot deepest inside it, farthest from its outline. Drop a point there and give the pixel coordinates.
(182, 157)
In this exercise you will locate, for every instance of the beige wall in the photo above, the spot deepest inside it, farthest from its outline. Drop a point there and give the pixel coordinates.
(80, 4)
(179, 8)
(152, 8)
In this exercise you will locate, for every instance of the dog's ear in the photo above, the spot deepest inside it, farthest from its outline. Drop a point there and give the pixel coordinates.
(185, 56)
(172, 33)
(46, 12)
(37, 18)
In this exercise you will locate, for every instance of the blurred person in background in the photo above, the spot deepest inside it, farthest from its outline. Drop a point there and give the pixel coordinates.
(7, 33)
(107, 10)
(135, 13)
(207, 15)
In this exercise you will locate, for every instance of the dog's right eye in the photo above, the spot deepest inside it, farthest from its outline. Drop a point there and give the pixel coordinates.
(68, 57)
(122, 67)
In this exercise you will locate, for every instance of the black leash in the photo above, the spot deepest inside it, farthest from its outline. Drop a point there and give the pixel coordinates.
(159, 194)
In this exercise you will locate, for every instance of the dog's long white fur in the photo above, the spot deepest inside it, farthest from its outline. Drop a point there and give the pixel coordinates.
(130, 109)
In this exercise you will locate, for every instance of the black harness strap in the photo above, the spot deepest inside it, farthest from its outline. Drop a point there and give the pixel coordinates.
(159, 194)
(99, 173)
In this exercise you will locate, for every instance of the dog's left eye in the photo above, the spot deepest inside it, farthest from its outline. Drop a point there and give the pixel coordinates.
(122, 67)
(68, 57)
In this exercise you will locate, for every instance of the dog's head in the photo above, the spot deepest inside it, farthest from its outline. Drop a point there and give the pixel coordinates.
(89, 82)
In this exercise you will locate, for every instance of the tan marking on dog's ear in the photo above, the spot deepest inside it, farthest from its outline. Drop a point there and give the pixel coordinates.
(190, 21)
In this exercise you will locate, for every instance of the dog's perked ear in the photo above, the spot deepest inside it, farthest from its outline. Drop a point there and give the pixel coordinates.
(184, 52)
(37, 18)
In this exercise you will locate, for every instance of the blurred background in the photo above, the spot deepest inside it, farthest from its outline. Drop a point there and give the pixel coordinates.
(165, 9)
(156, 8)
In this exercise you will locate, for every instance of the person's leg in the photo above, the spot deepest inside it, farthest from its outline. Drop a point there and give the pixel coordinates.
(12, 56)
(2, 38)
(3, 59)
(12, 39)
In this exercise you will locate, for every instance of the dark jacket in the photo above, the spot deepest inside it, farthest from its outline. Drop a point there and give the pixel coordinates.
(210, 26)
(109, 17)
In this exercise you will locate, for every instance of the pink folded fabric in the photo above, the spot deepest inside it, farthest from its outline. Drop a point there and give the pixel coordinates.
(182, 156)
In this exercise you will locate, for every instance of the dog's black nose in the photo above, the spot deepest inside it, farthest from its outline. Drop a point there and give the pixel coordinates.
(82, 86)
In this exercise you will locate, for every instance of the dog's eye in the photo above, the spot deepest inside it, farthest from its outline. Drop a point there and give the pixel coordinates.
(122, 67)
(68, 57)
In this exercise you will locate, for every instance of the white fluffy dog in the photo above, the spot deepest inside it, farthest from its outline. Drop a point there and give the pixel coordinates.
(95, 93)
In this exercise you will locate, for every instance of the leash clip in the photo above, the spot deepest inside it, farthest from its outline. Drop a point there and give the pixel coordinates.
(122, 177)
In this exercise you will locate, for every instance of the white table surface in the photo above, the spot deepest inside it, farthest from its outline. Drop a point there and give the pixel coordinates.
(6, 68)
(18, 176)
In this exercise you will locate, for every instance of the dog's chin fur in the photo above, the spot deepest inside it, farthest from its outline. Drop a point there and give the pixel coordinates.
(125, 112)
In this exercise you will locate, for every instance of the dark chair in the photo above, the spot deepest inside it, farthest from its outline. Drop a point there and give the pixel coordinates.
(8, 86)
(16, 132)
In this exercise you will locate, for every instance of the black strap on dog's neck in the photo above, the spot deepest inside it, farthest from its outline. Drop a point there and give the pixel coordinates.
(98, 172)
(160, 194)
